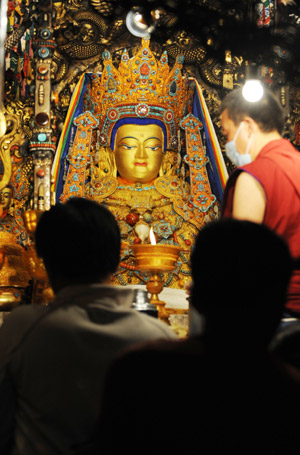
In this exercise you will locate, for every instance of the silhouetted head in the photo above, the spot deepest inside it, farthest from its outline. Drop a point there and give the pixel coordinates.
(240, 271)
(79, 242)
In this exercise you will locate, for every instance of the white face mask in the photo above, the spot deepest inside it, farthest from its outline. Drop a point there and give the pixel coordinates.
(233, 154)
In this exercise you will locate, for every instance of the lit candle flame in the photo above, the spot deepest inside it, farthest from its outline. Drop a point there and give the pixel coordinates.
(152, 237)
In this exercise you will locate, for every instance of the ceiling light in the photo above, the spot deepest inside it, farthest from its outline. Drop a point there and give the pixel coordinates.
(139, 22)
(253, 90)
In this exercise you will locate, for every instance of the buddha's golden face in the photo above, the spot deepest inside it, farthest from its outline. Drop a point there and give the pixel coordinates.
(6, 198)
(138, 152)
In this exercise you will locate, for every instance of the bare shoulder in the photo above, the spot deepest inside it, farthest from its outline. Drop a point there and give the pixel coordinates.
(249, 201)
(246, 181)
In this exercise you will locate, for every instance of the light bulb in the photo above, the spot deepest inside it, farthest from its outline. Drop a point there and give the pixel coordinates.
(139, 24)
(253, 90)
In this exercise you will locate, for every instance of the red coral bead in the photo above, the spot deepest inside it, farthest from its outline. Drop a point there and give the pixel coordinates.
(132, 218)
(41, 173)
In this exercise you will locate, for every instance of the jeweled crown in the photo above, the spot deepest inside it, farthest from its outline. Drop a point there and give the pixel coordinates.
(142, 87)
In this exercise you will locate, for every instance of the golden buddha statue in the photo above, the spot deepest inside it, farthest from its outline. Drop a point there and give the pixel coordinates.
(126, 151)
(8, 222)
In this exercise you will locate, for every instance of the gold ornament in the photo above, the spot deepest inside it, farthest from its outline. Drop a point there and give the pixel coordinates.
(141, 88)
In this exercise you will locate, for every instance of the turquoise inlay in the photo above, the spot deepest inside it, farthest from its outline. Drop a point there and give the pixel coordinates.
(74, 188)
(83, 134)
(42, 137)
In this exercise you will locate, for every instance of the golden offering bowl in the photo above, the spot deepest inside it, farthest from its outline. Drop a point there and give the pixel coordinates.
(31, 218)
(10, 297)
(156, 259)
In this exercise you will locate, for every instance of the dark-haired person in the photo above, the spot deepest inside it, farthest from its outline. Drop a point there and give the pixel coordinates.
(53, 359)
(221, 391)
(265, 187)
